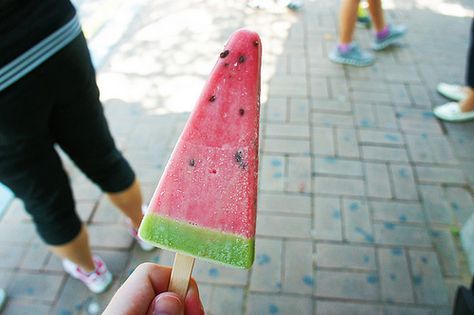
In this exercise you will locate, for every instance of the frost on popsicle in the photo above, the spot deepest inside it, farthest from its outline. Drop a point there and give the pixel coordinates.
(205, 202)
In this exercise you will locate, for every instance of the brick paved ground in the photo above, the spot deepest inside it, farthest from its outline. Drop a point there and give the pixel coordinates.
(360, 187)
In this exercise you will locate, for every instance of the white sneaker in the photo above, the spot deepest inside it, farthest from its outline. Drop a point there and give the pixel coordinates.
(452, 91)
(452, 112)
(97, 281)
(3, 298)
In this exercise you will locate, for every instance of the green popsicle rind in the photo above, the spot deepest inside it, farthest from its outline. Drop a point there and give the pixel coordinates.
(211, 245)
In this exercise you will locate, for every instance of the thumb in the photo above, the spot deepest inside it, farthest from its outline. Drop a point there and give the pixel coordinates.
(167, 303)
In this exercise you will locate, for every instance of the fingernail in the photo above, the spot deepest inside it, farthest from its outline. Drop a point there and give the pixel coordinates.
(168, 304)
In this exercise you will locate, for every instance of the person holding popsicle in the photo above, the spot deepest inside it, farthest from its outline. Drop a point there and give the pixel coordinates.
(348, 52)
(49, 98)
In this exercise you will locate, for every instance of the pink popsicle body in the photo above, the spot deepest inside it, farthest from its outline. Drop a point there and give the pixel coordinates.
(210, 182)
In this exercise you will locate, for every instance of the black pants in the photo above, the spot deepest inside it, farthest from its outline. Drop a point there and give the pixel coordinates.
(470, 60)
(57, 104)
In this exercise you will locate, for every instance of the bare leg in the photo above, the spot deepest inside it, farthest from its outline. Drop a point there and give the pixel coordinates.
(376, 11)
(78, 251)
(129, 202)
(467, 104)
(347, 20)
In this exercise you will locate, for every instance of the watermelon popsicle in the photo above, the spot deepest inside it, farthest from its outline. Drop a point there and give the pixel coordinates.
(205, 203)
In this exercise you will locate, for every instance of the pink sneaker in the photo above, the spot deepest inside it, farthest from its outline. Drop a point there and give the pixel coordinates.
(97, 281)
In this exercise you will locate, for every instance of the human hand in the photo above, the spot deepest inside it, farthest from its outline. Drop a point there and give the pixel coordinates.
(145, 293)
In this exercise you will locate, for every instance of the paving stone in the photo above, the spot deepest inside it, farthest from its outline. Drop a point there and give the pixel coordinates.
(461, 203)
(401, 73)
(419, 95)
(11, 255)
(330, 119)
(347, 144)
(284, 203)
(323, 141)
(435, 204)
(357, 223)
(283, 226)
(263, 304)
(425, 148)
(401, 235)
(299, 110)
(25, 307)
(285, 146)
(445, 175)
(422, 125)
(299, 174)
(85, 210)
(289, 85)
(327, 219)
(339, 106)
(272, 173)
(24, 232)
(298, 267)
(383, 137)
(394, 275)
(447, 253)
(386, 117)
(337, 308)
(377, 180)
(109, 236)
(370, 96)
(403, 182)
(347, 285)
(44, 287)
(267, 270)
(319, 88)
(364, 115)
(345, 256)
(383, 154)
(286, 131)
(107, 212)
(335, 166)
(226, 300)
(338, 87)
(397, 212)
(339, 186)
(217, 274)
(15, 213)
(405, 310)
(73, 299)
(462, 144)
(36, 255)
(428, 282)
(398, 93)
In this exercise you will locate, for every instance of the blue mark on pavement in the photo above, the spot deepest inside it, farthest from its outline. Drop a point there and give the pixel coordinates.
(403, 173)
(364, 123)
(390, 137)
(276, 162)
(367, 236)
(455, 206)
(336, 214)
(330, 159)
(393, 277)
(366, 259)
(277, 175)
(308, 280)
(273, 309)
(424, 135)
(354, 206)
(389, 226)
(65, 312)
(263, 259)
(417, 280)
(213, 272)
(372, 279)
(396, 251)
(402, 218)
(427, 115)
(424, 259)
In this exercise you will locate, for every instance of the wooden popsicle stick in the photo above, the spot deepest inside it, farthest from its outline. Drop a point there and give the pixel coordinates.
(180, 275)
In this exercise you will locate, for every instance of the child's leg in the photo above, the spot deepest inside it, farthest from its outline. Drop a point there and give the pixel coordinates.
(376, 11)
(129, 202)
(347, 20)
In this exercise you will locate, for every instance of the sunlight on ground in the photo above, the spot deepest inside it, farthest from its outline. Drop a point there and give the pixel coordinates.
(442, 7)
(164, 66)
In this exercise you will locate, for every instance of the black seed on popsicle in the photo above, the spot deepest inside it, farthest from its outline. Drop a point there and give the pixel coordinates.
(192, 162)
(241, 59)
(212, 98)
(241, 112)
(239, 158)
(226, 64)
(224, 54)
(256, 43)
